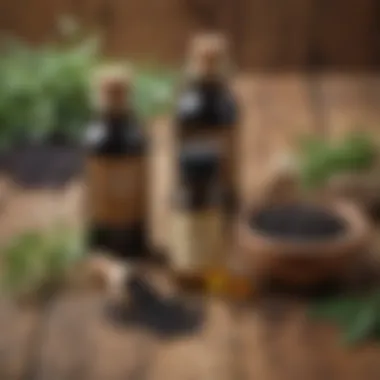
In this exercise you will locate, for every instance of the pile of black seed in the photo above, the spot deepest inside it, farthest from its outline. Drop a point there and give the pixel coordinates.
(147, 308)
(298, 221)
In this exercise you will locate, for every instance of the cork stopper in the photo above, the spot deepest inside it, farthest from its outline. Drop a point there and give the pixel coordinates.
(208, 55)
(111, 88)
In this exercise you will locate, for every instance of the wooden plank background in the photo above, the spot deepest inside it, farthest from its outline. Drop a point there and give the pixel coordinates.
(266, 34)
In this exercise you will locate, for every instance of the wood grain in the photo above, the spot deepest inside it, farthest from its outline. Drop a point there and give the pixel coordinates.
(345, 32)
(205, 355)
(268, 340)
(277, 112)
(348, 103)
(81, 342)
(17, 328)
(266, 34)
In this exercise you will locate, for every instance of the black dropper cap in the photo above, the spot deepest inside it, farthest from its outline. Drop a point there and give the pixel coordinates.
(199, 163)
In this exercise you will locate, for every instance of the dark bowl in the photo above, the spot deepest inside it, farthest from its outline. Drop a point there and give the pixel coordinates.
(303, 254)
(42, 165)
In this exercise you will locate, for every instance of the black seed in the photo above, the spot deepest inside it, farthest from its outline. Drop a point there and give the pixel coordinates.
(146, 307)
(298, 221)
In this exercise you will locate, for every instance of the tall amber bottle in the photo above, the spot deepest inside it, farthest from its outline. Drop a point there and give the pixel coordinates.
(116, 170)
(197, 238)
(207, 111)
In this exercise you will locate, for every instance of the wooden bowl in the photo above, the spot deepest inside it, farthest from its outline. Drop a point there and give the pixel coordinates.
(305, 262)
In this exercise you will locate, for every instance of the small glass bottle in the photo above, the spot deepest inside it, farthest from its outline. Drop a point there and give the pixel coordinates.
(116, 170)
(197, 235)
(207, 110)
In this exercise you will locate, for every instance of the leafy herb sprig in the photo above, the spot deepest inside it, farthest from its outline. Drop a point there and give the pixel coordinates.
(45, 89)
(320, 160)
(357, 316)
(37, 259)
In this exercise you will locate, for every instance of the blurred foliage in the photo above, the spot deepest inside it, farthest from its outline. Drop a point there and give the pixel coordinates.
(357, 317)
(321, 159)
(46, 89)
(34, 260)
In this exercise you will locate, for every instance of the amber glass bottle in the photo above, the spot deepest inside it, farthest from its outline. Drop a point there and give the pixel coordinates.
(116, 170)
(197, 238)
(207, 110)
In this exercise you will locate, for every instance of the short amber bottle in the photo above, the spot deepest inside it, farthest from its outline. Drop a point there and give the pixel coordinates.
(116, 171)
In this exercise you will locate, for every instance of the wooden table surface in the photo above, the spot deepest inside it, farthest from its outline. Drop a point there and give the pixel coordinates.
(271, 339)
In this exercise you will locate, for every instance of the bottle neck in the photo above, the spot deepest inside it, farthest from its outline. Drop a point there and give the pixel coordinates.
(206, 80)
(198, 69)
(209, 83)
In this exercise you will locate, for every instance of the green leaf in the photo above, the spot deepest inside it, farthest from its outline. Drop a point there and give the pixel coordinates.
(357, 317)
(154, 92)
(312, 145)
(44, 89)
(363, 327)
(34, 259)
(321, 160)
(341, 310)
(22, 264)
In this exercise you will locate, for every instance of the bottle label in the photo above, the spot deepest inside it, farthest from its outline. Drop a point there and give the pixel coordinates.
(220, 139)
(197, 240)
(116, 190)
(215, 137)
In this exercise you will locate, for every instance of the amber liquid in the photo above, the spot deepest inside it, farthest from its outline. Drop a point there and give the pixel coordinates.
(224, 282)
(199, 262)
(216, 281)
